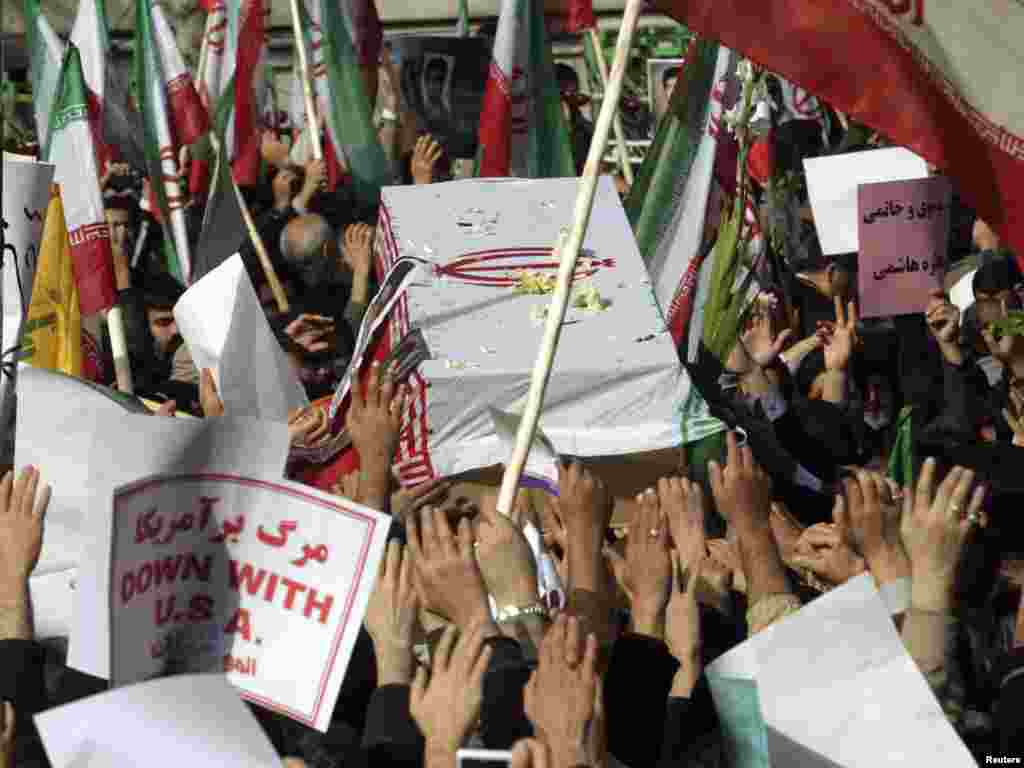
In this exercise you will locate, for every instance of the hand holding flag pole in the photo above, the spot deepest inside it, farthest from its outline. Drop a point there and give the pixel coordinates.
(307, 83)
(568, 249)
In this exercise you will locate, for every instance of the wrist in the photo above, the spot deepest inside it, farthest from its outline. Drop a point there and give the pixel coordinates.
(648, 619)
(685, 679)
(887, 565)
(395, 666)
(931, 594)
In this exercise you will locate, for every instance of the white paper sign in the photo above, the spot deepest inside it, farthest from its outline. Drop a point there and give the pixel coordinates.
(26, 194)
(267, 582)
(832, 188)
(192, 720)
(836, 686)
(225, 328)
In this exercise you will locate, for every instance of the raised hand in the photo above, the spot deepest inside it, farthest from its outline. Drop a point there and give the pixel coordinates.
(560, 699)
(934, 528)
(506, 560)
(375, 415)
(358, 248)
(22, 512)
(742, 490)
(584, 503)
(1014, 416)
(822, 550)
(311, 332)
(446, 702)
(682, 501)
(943, 319)
(424, 159)
(646, 569)
(448, 577)
(391, 617)
(762, 345)
(307, 426)
(843, 339)
(867, 515)
(409, 501)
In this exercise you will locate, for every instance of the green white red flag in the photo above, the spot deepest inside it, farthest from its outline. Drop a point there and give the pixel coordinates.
(46, 54)
(522, 128)
(189, 119)
(72, 151)
(160, 150)
(343, 37)
(937, 78)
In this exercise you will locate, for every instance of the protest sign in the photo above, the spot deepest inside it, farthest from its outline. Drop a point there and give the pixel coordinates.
(442, 82)
(26, 194)
(192, 720)
(616, 387)
(66, 427)
(225, 329)
(832, 184)
(904, 235)
(267, 582)
(786, 694)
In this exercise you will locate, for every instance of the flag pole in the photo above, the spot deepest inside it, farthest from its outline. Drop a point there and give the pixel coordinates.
(568, 250)
(204, 55)
(261, 252)
(307, 83)
(620, 134)
(119, 350)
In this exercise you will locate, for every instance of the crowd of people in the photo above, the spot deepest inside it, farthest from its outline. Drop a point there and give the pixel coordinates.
(885, 447)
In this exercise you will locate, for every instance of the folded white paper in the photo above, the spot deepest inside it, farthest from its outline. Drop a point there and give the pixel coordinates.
(225, 328)
(832, 188)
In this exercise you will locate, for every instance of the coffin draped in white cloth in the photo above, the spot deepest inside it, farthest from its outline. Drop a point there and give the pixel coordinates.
(616, 386)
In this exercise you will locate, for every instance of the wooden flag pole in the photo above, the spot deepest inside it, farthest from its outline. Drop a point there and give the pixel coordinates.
(119, 350)
(204, 56)
(568, 250)
(307, 83)
(261, 251)
(620, 134)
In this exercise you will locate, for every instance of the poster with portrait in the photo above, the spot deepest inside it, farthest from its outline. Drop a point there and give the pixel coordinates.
(442, 83)
(662, 75)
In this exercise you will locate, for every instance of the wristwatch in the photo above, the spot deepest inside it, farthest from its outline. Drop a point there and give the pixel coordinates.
(512, 612)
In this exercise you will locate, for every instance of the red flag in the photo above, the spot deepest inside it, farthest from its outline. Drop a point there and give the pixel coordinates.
(933, 79)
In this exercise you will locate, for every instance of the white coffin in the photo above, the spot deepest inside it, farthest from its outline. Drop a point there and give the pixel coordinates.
(616, 386)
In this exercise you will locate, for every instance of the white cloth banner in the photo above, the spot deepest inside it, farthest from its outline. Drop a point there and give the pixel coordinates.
(225, 328)
(192, 720)
(26, 195)
(616, 384)
(267, 582)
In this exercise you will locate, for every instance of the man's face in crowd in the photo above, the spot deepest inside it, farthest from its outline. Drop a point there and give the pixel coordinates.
(119, 221)
(991, 306)
(163, 327)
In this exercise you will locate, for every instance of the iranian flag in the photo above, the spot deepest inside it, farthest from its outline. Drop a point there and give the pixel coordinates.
(522, 128)
(939, 78)
(668, 204)
(92, 38)
(46, 52)
(343, 38)
(72, 152)
(189, 119)
(235, 81)
(160, 151)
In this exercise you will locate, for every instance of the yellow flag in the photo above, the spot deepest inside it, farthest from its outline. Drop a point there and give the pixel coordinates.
(53, 330)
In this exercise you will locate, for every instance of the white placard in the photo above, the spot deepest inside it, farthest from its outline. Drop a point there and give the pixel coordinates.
(225, 328)
(836, 686)
(832, 188)
(267, 582)
(26, 195)
(192, 720)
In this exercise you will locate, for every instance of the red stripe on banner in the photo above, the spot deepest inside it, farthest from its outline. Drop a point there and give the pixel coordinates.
(681, 308)
(93, 267)
(189, 118)
(496, 126)
(580, 16)
(853, 54)
(199, 179)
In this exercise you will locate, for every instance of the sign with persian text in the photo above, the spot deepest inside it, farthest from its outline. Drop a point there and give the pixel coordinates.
(267, 582)
(904, 234)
